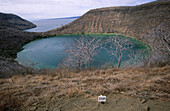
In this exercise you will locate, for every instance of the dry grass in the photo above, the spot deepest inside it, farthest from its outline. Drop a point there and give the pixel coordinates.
(143, 83)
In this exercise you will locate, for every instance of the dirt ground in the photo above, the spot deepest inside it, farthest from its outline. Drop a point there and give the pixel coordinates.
(115, 102)
(132, 89)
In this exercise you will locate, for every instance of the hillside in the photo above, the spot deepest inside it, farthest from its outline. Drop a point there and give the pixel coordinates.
(135, 21)
(64, 90)
(12, 39)
(12, 36)
(15, 22)
(162, 0)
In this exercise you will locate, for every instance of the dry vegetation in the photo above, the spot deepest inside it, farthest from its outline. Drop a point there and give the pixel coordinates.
(142, 83)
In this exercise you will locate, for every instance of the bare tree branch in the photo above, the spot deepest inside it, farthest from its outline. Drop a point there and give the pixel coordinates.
(82, 51)
(117, 46)
(159, 41)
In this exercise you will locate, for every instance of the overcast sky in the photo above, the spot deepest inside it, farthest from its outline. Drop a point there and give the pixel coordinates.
(43, 9)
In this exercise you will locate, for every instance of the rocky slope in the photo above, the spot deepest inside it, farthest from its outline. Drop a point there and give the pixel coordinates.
(133, 21)
(162, 0)
(66, 90)
(12, 38)
(15, 22)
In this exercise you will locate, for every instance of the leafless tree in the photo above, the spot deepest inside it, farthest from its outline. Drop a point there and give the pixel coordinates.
(81, 51)
(139, 58)
(159, 41)
(161, 35)
(117, 46)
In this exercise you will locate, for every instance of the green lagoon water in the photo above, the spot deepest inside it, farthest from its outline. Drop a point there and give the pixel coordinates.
(49, 52)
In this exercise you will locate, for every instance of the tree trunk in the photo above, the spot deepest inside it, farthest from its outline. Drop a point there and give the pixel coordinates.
(79, 64)
(119, 63)
(119, 59)
(89, 65)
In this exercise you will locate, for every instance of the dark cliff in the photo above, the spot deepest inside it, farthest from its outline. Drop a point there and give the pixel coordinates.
(12, 36)
(11, 21)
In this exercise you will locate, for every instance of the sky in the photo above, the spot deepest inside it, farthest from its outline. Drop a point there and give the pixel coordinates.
(45, 9)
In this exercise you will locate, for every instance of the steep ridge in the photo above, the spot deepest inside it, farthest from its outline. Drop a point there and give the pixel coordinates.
(11, 21)
(135, 21)
(12, 36)
(162, 0)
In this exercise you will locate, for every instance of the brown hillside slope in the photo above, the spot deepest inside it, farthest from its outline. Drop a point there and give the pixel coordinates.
(71, 91)
(133, 21)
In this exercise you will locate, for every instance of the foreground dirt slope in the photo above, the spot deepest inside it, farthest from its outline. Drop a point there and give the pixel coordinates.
(84, 102)
(133, 89)
(133, 21)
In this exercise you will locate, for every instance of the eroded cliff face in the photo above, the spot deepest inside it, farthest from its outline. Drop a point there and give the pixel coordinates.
(133, 21)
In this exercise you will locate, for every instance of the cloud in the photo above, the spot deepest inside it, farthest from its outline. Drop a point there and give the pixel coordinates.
(41, 9)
